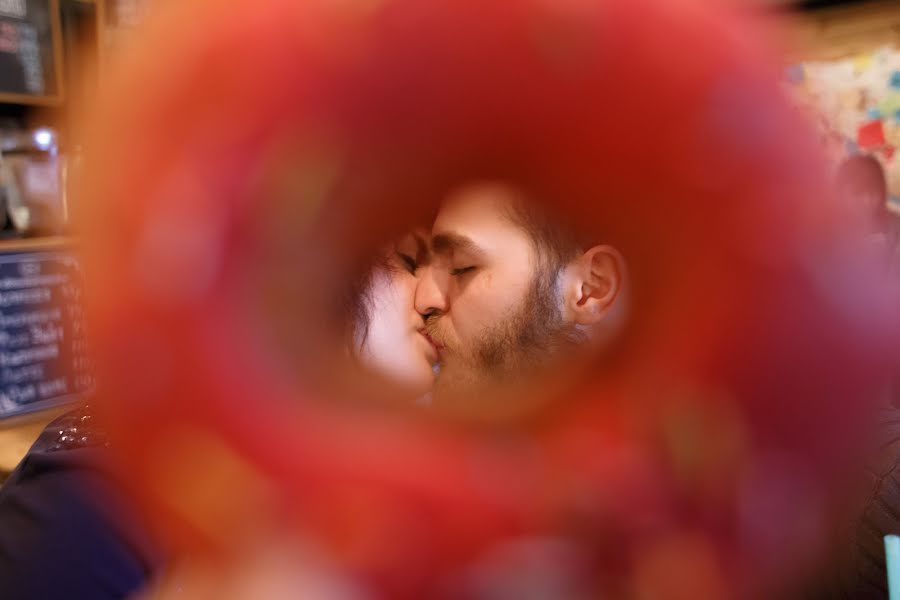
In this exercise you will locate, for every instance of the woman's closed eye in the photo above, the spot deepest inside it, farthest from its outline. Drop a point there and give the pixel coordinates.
(408, 262)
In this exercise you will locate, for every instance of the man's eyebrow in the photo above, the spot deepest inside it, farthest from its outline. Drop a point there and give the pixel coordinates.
(446, 243)
(421, 243)
(423, 249)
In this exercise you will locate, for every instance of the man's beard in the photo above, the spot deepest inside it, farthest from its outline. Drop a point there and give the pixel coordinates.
(524, 342)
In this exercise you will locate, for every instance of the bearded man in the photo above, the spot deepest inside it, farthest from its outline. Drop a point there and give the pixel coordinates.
(509, 291)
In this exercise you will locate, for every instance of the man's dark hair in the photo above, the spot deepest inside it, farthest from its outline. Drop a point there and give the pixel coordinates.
(863, 173)
(862, 177)
(556, 244)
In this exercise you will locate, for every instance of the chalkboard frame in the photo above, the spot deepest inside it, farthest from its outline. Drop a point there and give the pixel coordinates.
(46, 99)
(41, 406)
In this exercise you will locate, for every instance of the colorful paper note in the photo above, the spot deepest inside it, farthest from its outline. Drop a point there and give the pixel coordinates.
(870, 134)
(862, 62)
(895, 80)
(890, 104)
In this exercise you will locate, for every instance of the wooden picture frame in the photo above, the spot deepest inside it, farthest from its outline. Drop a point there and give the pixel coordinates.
(57, 94)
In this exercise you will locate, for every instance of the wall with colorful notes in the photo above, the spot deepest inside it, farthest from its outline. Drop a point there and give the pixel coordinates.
(856, 104)
(845, 72)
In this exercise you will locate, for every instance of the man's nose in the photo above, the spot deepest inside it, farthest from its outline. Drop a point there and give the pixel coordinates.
(431, 296)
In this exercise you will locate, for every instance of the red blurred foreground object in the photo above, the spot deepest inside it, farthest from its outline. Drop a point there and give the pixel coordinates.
(242, 158)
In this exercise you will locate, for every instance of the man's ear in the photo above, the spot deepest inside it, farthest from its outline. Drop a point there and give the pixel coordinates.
(592, 284)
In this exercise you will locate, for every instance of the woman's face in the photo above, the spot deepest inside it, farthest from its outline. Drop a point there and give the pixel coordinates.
(395, 345)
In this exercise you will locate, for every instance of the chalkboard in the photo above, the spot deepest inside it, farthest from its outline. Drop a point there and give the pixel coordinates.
(43, 354)
(30, 52)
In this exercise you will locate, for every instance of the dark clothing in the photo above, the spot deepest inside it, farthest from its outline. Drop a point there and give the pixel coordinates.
(859, 571)
(65, 530)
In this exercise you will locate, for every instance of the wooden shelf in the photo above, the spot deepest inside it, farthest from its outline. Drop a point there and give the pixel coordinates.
(56, 242)
(844, 31)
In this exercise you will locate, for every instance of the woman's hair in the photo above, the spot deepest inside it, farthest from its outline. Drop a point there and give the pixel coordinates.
(357, 303)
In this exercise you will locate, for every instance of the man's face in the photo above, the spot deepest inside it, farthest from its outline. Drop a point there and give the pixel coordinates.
(491, 308)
